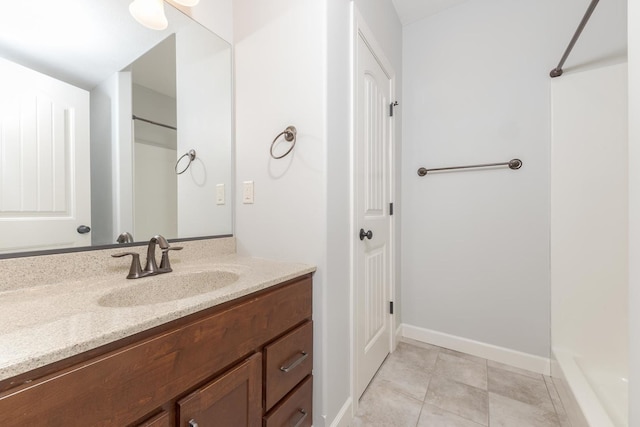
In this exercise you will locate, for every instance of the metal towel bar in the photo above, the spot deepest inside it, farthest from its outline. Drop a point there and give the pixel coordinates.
(513, 164)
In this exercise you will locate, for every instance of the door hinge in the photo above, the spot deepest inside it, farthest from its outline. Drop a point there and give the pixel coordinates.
(393, 104)
(390, 307)
(390, 208)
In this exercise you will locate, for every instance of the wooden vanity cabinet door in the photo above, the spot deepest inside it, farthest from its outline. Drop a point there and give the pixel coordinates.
(231, 400)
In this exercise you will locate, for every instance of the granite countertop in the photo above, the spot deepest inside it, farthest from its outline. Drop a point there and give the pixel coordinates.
(45, 324)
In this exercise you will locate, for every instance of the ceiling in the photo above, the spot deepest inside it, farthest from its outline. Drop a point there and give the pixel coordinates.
(410, 11)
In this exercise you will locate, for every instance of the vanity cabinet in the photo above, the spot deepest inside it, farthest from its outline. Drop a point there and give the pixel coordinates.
(243, 363)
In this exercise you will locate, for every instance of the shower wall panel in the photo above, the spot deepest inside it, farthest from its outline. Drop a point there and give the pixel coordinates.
(589, 233)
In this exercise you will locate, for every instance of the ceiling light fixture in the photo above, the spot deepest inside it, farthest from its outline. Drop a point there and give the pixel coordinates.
(150, 13)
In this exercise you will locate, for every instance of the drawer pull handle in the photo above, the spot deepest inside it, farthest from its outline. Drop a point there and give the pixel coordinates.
(298, 361)
(193, 423)
(302, 418)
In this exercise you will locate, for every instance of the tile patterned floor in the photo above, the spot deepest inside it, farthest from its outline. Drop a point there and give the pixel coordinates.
(421, 385)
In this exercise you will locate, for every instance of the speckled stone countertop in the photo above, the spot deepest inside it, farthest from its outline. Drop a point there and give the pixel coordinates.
(49, 322)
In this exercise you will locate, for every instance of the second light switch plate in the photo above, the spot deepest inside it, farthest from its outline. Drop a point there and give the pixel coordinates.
(247, 192)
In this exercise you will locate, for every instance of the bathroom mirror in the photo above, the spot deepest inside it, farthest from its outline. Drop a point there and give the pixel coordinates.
(95, 112)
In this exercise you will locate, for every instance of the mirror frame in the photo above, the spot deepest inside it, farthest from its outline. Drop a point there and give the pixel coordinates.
(102, 247)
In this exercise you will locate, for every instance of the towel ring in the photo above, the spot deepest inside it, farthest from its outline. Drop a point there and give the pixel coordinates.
(289, 135)
(192, 156)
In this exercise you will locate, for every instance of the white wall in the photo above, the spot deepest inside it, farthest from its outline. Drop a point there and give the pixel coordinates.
(292, 63)
(475, 243)
(476, 246)
(337, 309)
(281, 81)
(634, 213)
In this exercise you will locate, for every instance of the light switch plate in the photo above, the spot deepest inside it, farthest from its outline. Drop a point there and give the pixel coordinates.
(247, 192)
(220, 194)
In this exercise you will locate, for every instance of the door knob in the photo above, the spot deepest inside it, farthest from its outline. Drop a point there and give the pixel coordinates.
(368, 234)
(83, 229)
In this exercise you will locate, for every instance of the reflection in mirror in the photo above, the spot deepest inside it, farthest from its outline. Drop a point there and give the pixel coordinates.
(155, 142)
(75, 168)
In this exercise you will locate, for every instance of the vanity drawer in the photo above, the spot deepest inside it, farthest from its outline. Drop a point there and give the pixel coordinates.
(287, 361)
(295, 409)
(163, 419)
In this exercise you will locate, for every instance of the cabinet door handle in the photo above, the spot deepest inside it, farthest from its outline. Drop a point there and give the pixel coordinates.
(302, 418)
(193, 423)
(298, 361)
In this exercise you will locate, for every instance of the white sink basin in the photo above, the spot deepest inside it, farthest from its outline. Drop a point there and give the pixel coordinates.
(167, 287)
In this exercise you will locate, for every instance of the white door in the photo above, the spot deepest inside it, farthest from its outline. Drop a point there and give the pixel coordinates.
(372, 219)
(44, 161)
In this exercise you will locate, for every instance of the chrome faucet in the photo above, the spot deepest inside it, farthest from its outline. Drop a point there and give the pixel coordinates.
(151, 268)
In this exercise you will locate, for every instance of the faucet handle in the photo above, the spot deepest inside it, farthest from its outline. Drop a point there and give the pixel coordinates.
(165, 265)
(135, 271)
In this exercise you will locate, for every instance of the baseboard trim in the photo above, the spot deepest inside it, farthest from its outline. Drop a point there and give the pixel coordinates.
(344, 417)
(504, 355)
